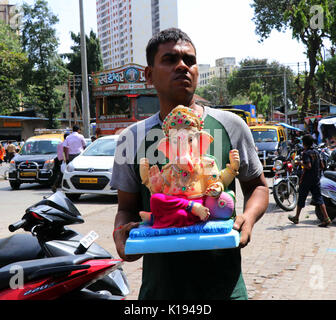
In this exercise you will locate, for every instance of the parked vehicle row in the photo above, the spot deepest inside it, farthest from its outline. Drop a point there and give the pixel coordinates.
(90, 172)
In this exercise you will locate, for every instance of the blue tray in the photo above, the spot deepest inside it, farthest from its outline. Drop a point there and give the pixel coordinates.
(210, 235)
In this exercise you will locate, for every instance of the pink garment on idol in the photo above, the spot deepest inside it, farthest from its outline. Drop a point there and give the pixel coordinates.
(169, 211)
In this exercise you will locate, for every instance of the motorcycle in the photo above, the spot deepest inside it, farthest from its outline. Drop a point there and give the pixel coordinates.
(55, 261)
(286, 180)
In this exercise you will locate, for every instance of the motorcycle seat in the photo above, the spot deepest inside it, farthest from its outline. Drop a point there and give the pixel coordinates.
(330, 175)
(39, 268)
(19, 247)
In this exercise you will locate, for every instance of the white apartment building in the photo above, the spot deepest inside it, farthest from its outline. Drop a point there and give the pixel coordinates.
(125, 26)
(222, 69)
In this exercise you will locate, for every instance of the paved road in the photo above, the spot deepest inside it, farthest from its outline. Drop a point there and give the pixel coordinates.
(283, 261)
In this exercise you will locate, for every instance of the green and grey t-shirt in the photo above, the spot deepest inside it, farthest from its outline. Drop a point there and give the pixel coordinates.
(213, 274)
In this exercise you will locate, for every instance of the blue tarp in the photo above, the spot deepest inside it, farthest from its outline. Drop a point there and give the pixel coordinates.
(288, 126)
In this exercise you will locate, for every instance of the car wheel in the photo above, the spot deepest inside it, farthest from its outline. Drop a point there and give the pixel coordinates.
(73, 196)
(15, 185)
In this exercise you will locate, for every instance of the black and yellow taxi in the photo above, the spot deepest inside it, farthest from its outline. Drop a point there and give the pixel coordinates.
(35, 161)
(271, 141)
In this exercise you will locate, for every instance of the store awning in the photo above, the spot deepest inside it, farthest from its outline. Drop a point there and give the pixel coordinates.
(289, 127)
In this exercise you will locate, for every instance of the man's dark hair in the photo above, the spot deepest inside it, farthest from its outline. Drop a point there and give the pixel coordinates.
(75, 128)
(164, 36)
(308, 140)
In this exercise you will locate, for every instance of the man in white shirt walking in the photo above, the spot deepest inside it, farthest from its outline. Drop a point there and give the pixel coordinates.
(74, 144)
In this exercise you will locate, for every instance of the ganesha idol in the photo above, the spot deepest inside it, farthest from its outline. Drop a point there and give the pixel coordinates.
(190, 203)
(190, 188)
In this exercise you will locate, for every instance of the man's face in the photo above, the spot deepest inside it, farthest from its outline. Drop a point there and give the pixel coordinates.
(175, 72)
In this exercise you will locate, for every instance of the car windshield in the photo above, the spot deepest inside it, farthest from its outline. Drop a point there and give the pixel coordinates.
(40, 147)
(269, 135)
(101, 147)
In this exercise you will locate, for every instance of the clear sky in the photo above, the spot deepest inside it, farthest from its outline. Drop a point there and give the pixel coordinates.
(218, 28)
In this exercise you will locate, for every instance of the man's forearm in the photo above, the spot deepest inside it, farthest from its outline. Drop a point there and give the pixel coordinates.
(123, 217)
(256, 203)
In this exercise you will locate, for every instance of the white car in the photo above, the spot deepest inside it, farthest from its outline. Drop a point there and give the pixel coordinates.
(91, 171)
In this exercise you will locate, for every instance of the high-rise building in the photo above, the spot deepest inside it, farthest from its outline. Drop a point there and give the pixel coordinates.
(125, 26)
(223, 68)
(9, 14)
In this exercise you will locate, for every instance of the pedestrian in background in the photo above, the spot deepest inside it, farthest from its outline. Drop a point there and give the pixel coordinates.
(58, 164)
(310, 181)
(74, 144)
(11, 149)
(2, 154)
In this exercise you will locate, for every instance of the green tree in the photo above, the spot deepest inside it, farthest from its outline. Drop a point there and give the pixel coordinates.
(215, 91)
(94, 62)
(45, 70)
(261, 82)
(311, 22)
(258, 98)
(326, 80)
(12, 61)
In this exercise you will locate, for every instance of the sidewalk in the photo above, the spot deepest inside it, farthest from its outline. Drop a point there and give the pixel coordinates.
(286, 261)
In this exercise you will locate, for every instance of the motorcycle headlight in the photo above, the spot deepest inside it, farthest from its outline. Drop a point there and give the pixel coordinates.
(70, 167)
(49, 164)
(278, 164)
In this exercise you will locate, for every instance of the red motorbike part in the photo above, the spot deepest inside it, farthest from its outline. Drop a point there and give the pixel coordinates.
(60, 281)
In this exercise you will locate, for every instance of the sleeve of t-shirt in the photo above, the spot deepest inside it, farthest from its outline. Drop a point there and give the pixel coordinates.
(124, 177)
(250, 165)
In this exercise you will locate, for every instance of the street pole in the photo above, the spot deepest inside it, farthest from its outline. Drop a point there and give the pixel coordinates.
(285, 99)
(319, 106)
(85, 86)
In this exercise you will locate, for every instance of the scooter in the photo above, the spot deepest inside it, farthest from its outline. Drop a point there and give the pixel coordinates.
(328, 191)
(55, 261)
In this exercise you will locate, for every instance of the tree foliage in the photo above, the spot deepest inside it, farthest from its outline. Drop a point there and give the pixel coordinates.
(215, 91)
(263, 83)
(311, 21)
(45, 69)
(94, 62)
(12, 61)
(326, 80)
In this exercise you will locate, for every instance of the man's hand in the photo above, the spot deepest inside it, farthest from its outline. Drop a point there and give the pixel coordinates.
(256, 197)
(126, 219)
(120, 235)
(245, 230)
